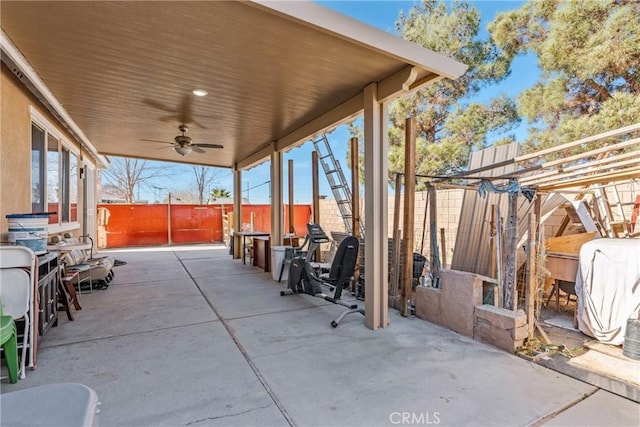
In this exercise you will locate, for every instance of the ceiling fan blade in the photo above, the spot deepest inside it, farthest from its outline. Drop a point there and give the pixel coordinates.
(208, 145)
(159, 106)
(197, 149)
(155, 140)
(198, 124)
(185, 111)
(169, 118)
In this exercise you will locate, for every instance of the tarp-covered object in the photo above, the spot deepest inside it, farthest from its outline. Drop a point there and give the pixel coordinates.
(608, 288)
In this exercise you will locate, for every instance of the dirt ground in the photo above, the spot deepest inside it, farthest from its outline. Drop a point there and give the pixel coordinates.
(558, 323)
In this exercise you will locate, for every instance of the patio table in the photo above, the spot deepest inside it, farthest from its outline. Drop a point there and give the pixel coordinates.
(244, 235)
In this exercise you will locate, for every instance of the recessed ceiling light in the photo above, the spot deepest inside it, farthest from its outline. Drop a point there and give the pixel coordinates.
(200, 92)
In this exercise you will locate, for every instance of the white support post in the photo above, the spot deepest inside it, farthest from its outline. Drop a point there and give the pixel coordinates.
(277, 217)
(237, 212)
(376, 209)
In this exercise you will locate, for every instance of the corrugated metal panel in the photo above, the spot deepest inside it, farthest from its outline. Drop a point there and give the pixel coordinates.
(472, 250)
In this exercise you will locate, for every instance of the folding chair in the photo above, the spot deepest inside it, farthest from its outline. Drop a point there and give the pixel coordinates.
(19, 285)
(15, 295)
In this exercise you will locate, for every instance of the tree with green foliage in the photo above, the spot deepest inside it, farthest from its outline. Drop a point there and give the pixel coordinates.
(589, 53)
(220, 193)
(449, 123)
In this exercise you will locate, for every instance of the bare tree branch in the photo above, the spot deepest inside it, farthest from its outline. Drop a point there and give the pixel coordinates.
(204, 177)
(127, 175)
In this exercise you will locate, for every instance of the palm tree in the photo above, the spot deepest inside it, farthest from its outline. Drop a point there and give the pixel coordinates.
(220, 193)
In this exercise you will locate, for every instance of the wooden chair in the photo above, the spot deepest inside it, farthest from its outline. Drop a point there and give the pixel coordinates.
(569, 288)
(67, 295)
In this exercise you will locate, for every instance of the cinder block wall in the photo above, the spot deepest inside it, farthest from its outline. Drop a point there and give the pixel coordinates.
(453, 304)
(330, 219)
(449, 205)
(458, 305)
(500, 327)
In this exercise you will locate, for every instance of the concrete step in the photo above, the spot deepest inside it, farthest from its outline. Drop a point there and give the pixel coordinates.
(601, 367)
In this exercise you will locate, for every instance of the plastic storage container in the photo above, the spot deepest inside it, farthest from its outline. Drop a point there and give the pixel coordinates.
(277, 256)
(58, 404)
(29, 230)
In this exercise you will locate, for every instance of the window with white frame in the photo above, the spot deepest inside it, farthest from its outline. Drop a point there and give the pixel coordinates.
(54, 174)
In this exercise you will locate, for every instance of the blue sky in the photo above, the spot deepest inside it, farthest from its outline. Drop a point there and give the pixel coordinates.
(383, 15)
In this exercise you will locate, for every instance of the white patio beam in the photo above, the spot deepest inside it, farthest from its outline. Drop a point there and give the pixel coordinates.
(408, 79)
(338, 115)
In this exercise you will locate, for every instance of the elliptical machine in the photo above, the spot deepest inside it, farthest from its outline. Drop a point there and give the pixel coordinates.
(303, 278)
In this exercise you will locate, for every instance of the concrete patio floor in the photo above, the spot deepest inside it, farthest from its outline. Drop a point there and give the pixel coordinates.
(186, 336)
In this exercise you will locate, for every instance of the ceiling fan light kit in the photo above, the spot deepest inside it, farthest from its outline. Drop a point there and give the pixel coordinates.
(183, 145)
(183, 151)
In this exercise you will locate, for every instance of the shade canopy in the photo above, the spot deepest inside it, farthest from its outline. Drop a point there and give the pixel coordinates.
(275, 72)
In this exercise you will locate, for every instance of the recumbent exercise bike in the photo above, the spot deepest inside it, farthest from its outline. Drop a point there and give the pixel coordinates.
(304, 278)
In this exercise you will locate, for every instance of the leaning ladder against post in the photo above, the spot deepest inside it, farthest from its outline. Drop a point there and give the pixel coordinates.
(337, 181)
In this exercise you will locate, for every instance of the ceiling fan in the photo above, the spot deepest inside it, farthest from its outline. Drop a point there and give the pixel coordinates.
(184, 145)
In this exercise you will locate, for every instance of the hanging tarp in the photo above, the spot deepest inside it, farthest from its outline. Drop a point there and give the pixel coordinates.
(486, 186)
(608, 288)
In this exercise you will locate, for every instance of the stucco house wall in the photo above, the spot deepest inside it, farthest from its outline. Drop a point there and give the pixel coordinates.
(16, 105)
(15, 147)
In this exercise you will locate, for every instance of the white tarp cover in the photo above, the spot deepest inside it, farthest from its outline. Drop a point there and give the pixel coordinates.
(608, 288)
